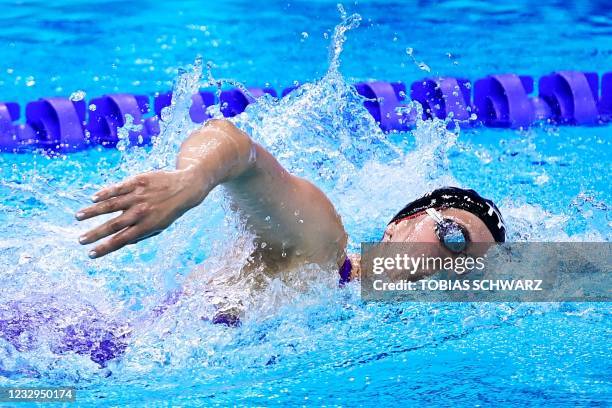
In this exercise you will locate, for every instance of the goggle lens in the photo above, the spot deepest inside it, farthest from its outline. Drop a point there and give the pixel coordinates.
(452, 236)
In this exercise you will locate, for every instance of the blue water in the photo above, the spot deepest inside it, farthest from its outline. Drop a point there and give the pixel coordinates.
(303, 341)
(59, 47)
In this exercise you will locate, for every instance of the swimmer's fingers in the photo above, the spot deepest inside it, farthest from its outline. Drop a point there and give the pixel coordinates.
(115, 190)
(105, 207)
(129, 235)
(110, 227)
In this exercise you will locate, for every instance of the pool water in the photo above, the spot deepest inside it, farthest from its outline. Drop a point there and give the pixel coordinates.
(303, 340)
(64, 46)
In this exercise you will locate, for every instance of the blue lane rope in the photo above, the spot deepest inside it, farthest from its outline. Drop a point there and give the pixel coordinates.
(564, 97)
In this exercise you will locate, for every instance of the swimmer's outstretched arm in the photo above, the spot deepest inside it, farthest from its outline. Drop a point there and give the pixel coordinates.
(293, 220)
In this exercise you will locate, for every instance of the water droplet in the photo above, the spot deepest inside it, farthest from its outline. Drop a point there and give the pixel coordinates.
(424, 67)
(77, 96)
(473, 116)
(92, 107)
(409, 51)
(304, 34)
(30, 81)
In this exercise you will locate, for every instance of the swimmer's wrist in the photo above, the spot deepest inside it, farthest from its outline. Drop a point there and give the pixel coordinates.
(194, 184)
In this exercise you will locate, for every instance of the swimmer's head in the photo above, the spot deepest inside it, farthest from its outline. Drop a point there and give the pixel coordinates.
(448, 215)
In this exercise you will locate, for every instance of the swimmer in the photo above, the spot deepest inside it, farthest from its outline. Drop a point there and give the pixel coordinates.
(293, 218)
(296, 221)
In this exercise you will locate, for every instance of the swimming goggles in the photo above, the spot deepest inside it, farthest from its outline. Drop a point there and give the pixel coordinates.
(453, 236)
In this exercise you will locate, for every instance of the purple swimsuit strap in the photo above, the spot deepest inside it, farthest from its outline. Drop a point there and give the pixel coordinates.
(345, 271)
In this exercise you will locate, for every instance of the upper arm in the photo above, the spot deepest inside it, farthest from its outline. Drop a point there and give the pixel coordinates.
(294, 218)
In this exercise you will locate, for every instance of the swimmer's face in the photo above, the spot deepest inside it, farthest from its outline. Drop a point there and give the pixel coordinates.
(422, 228)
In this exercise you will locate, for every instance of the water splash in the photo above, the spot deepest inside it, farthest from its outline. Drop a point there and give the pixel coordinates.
(348, 23)
(420, 64)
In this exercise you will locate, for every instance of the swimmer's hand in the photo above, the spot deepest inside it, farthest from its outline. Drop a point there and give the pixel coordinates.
(150, 202)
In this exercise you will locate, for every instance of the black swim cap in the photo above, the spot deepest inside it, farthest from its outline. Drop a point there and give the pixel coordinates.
(463, 199)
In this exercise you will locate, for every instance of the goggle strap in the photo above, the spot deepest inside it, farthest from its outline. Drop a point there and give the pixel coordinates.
(433, 213)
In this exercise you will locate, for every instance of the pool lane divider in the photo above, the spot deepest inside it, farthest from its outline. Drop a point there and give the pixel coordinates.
(504, 101)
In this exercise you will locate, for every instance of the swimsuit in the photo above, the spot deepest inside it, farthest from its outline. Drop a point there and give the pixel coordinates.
(345, 272)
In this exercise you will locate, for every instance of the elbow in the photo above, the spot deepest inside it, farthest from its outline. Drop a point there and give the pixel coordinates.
(239, 147)
(242, 142)
(223, 125)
